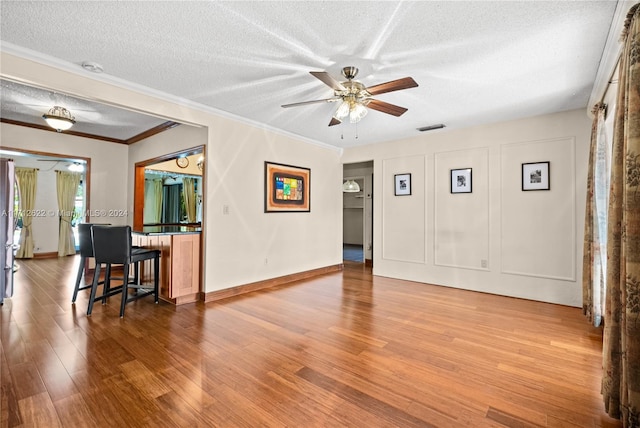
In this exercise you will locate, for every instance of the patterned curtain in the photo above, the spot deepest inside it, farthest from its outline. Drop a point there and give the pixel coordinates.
(27, 181)
(66, 187)
(594, 267)
(621, 347)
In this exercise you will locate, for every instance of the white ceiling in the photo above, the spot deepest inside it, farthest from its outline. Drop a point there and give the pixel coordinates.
(475, 61)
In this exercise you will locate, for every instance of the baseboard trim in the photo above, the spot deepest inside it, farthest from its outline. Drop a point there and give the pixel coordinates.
(51, 255)
(268, 283)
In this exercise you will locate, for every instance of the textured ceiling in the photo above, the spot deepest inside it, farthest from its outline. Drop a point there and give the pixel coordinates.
(475, 62)
(27, 104)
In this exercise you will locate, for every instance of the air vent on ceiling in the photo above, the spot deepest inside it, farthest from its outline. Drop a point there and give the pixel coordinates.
(431, 127)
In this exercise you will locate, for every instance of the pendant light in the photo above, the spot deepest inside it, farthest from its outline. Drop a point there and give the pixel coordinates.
(59, 118)
(350, 186)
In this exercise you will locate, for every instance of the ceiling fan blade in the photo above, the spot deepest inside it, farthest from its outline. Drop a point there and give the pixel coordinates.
(385, 107)
(334, 121)
(328, 80)
(304, 103)
(394, 85)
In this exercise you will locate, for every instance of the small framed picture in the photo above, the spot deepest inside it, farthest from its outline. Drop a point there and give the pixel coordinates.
(535, 176)
(461, 180)
(402, 184)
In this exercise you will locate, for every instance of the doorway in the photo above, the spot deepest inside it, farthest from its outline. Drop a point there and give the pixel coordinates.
(45, 228)
(357, 213)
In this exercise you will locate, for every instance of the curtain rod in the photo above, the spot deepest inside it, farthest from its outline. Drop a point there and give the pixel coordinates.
(612, 80)
(170, 174)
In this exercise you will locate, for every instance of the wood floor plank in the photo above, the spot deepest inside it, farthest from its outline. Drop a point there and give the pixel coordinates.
(73, 412)
(370, 404)
(51, 370)
(38, 411)
(344, 349)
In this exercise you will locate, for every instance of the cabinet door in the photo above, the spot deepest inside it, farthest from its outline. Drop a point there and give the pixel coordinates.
(185, 265)
(163, 243)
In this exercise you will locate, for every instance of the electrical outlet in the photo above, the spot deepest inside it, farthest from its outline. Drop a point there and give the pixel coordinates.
(483, 263)
(266, 261)
(225, 209)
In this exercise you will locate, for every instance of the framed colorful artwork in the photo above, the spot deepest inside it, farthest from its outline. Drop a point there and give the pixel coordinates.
(286, 188)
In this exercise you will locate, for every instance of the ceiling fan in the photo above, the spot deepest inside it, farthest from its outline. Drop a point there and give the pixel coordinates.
(354, 97)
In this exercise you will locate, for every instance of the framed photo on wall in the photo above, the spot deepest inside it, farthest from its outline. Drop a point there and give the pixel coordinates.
(286, 188)
(461, 180)
(402, 184)
(535, 176)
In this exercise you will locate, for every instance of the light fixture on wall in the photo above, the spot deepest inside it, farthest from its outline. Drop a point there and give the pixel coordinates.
(76, 167)
(350, 186)
(59, 118)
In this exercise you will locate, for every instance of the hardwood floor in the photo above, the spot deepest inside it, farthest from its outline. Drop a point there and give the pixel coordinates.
(345, 349)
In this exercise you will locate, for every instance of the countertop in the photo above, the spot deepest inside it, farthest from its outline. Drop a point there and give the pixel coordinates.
(167, 230)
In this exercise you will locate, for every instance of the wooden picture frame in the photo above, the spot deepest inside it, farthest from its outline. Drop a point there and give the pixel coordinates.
(286, 188)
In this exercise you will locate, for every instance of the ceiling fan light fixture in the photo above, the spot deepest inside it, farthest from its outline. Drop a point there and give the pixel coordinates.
(355, 98)
(350, 186)
(343, 110)
(357, 112)
(59, 118)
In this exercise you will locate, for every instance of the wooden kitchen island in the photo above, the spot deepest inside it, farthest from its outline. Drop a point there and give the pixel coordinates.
(179, 260)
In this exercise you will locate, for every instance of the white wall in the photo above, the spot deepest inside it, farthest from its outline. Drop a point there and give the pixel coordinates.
(107, 184)
(249, 245)
(246, 245)
(431, 236)
(497, 239)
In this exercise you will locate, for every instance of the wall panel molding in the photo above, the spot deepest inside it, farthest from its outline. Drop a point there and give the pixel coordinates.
(538, 228)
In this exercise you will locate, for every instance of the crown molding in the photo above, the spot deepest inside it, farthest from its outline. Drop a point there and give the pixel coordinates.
(610, 55)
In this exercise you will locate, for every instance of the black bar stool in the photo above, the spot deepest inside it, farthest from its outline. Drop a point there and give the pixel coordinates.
(86, 252)
(112, 245)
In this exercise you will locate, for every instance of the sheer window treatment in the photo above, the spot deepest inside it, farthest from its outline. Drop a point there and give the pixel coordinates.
(27, 181)
(189, 189)
(67, 187)
(595, 226)
(152, 201)
(621, 346)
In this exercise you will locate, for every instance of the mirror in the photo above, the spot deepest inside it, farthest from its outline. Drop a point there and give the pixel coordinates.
(169, 190)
